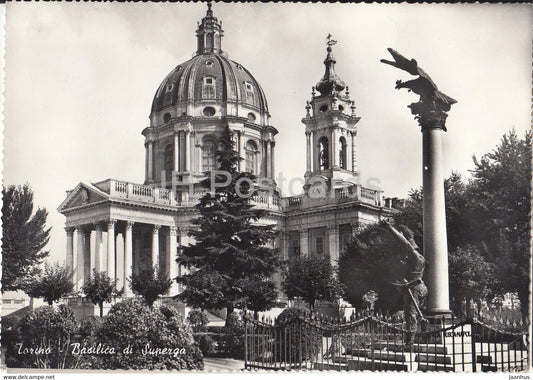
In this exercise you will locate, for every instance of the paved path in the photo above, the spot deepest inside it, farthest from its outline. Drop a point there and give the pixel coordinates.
(223, 365)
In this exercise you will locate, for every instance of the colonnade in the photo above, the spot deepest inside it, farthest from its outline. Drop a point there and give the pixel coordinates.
(127, 247)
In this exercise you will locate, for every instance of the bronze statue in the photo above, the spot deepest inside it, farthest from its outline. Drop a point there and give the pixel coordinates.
(433, 104)
(414, 291)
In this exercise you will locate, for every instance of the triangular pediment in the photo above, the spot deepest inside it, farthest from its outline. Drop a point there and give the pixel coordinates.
(82, 195)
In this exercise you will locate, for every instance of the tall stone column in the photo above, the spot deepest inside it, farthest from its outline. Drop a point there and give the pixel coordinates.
(75, 233)
(150, 164)
(304, 242)
(171, 257)
(334, 161)
(187, 151)
(89, 257)
(155, 246)
(308, 151)
(111, 249)
(272, 160)
(269, 160)
(70, 249)
(176, 152)
(98, 248)
(128, 258)
(81, 258)
(333, 242)
(434, 221)
(354, 156)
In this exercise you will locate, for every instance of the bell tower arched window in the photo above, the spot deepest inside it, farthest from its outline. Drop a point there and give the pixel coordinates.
(208, 155)
(251, 157)
(342, 152)
(323, 153)
(208, 88)
(169, 159)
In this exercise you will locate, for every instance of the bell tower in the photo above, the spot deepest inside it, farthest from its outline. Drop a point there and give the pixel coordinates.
(330, 130)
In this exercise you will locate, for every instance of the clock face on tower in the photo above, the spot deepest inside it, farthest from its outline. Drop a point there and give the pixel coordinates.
(317, 190)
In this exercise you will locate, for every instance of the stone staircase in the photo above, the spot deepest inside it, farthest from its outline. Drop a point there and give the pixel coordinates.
(391, 356)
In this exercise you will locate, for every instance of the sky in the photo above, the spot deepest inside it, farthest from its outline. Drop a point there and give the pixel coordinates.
(80, 79)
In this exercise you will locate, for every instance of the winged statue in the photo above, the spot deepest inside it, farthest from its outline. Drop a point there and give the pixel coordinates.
(431, 99)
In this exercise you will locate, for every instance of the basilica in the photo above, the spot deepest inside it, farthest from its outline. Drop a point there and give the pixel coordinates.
(122, 227)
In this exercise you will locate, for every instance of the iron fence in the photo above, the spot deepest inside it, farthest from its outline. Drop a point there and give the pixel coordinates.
(376, 343)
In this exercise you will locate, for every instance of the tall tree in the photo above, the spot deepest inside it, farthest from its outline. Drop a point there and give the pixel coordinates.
(501, 202)
(312, 278)
(51, 284)
(230, 258)
(24, 236)
(99, 288)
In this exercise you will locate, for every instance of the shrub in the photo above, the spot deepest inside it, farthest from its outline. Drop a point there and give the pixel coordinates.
(297, 341)
(48, 332)
(198, 320)
(133, 325)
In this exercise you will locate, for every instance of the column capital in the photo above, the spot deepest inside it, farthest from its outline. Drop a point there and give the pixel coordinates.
(173, 230)
(97, 226)
(70, 230)
(129, 224)
(304, 231)
(111, 223)
(156, 228)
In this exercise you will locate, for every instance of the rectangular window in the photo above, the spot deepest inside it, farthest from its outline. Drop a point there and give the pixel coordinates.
(319, 245)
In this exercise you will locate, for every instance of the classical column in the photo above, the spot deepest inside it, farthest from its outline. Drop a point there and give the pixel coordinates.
(354, 160)
(81, 258)
(334, 148)
(242, 163)
(99, 263)
(187, 151)
(333, 240)
(75, 257)
(155, 246)
(272, 160)
(176, 152)
(89, 257)
(268, 160)
(150, 161)
(111, 249)
(171, 257)
(434, 221)
(285, 245)
(128, 257)
(70, 249)
(304, 242)
(308, 151)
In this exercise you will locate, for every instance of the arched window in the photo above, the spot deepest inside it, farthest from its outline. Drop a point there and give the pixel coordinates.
(323, 153)
(208, 88)
(251, 156)
(169, 160)
(342, 153)
(208, 155)
(250, 97)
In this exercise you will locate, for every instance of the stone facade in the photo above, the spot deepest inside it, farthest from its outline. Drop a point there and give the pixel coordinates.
(122, 227)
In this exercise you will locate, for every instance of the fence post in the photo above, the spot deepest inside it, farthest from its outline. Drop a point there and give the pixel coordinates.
(473, 345)
(245, 341)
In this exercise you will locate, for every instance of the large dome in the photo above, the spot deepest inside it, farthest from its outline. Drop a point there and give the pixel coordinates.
(210, 84)
(209, 77)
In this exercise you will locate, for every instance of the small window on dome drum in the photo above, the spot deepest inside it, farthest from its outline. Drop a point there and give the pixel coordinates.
(166, 117)
(250, 97)
(209, 111)
(170, 86)
(251, 116)
(208, 88)
(324, 108)
(208, 62)
(341, 108)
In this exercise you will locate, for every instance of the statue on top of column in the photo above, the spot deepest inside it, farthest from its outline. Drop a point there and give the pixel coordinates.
(432, 107)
